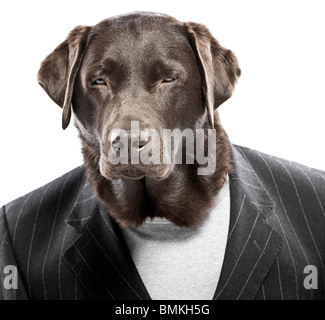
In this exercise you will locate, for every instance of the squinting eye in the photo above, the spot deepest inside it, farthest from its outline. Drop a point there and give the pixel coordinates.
(100, 82)
(169, 79)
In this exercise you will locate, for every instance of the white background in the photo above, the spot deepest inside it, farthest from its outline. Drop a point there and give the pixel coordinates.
(278, 106)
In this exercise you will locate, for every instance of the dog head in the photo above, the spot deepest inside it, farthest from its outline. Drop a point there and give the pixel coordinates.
(142, 69)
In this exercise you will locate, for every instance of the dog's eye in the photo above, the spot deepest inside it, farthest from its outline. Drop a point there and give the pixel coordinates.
(100, 82)
(168, 79)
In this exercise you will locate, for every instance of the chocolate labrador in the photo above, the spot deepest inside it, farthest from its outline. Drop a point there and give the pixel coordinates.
(161, 74)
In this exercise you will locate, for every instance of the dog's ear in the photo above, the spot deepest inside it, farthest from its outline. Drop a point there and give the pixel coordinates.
(58, 70)
(218, 67)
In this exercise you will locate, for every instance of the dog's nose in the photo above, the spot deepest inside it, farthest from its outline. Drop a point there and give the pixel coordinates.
(119, 137)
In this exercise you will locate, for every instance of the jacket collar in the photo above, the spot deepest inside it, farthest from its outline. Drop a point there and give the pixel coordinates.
(101, 260)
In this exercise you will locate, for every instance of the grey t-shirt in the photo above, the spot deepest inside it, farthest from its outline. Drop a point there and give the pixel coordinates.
(182, 263)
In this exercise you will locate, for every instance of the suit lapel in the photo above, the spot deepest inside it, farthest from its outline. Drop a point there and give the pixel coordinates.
(99, 257)
(253, 244)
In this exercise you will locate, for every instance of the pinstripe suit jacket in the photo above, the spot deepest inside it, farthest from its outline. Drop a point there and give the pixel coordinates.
(66, 246)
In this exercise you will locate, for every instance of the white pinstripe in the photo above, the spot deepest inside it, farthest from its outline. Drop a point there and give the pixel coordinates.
(263, 292)
(32, 239)
(235, 224)
(290, 253)
(2, 263)
(241, 253)
(51, 234)
(16, 224)
(250, 185)
(240, 165)
(258, 260)
(108, 258)
(262, 205)
(254, 173)
(60, 260)
(92, 197)
(3, 239)
(280, 283)
(286, 240)
(83, 219)
(2, 245)
(320, 204)
(92, 271)
(304, 215)
(321, 176)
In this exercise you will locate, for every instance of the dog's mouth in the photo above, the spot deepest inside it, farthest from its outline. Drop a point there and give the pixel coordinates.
(132, 172)
(135, 164)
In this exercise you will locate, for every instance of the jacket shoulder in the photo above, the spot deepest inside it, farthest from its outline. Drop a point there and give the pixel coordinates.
(287, 179)
(56, 197)
(256, 156)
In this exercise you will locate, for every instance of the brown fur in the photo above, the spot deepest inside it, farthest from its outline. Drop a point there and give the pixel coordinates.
(184, 197)
(136, 52)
